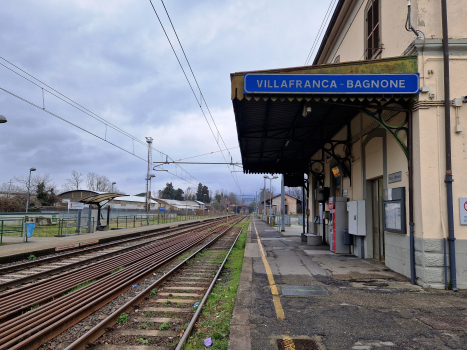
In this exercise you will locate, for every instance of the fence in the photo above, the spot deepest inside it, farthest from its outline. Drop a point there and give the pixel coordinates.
(65, 225)
(10, 227)
(73, 225)
(278, 220)
(128, 221)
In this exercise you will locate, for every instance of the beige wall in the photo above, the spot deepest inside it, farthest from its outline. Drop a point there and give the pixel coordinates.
(349, 43)
(429, 188)
(289, 201)
(429, 150)
(429, 18)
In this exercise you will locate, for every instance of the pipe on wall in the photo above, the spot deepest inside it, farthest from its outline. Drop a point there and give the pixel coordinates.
(447, 129)
(413, 276)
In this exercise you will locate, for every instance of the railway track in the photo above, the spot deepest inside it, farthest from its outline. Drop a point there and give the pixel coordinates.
(33, 314)
(19, 274)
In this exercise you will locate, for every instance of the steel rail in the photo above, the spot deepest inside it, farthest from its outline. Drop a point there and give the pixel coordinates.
(206, 295)
(81, 301)
(26, 279)
(153, 232)
(103, 284)
(98, 330)
(44, 290)
(71, 308)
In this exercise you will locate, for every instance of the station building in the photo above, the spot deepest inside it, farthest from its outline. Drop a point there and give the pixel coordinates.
(290, 204)
(372, 134)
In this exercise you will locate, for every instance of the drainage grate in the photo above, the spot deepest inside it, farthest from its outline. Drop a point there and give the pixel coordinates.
(297, 344)
(304, 291)
(446, 323)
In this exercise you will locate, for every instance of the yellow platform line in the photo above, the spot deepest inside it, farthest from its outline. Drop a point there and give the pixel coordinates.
(272, 284)
(288, 343)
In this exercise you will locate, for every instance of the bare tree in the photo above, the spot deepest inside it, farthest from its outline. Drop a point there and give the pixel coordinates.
(91, 180)
(74, 182)
(96, 182)
(11, 187)
(36, 179)
(295, 192)
(100, 183)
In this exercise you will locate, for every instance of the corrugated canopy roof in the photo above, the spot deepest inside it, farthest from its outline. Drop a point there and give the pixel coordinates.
(100, 197)
(274, 136)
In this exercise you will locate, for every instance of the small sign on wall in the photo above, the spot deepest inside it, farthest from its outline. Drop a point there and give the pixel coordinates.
(395, 177)
(75, 205)
(463, 210)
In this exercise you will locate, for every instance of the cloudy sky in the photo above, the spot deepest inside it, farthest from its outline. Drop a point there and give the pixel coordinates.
(112, 58)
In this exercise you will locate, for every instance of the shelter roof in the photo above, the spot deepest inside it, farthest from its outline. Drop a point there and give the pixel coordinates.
(275, 137)
(119, 196)
(100, 197)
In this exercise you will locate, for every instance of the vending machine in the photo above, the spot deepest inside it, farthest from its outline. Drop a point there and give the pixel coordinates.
(338, 223)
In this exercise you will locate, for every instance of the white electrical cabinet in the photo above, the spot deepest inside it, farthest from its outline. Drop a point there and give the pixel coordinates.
(357, 219)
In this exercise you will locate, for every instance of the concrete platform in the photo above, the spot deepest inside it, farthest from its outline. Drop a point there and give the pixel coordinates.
(16, 250)
(289, 290)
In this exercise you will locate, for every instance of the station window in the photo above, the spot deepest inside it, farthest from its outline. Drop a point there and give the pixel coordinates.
(373, 30)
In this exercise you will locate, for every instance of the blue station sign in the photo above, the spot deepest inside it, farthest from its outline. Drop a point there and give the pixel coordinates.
(329, 84)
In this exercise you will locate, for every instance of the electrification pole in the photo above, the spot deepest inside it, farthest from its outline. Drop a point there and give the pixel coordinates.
(148, 194)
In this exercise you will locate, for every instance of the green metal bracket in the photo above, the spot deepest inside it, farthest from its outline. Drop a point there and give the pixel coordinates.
(392, 129)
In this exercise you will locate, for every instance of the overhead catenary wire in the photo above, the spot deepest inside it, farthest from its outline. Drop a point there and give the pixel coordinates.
(194, 94)
(81, 128)
(206, 154)
(315, 42)
(84, 110)
(194, 77)
(201, 99)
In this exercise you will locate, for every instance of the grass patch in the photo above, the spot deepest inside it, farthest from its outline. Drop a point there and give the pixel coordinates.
(215, 317)
(117, 269)
(123, 318)
(164, 326)
(142, 340)
(34, 307)
(183, 256)
(32, 257)
(79, 286)
(153, 292)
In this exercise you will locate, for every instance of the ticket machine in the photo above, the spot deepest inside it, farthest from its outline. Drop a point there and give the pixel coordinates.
(338, 223)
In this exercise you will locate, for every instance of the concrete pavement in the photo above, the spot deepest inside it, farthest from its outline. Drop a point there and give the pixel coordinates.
(336, 301)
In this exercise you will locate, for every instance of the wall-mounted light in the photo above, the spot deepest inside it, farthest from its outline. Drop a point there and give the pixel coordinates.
(306, 110)
(287, 143)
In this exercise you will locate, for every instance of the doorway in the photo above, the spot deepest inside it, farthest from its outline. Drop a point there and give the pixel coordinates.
(377, 207)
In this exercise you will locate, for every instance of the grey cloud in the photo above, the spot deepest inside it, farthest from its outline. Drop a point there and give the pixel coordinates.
(112, 57)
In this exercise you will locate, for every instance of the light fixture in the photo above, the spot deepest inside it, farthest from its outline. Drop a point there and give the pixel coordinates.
(306, 110)
(287, 143)
(2, 119)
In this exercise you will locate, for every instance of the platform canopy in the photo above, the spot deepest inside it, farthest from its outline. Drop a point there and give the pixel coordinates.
(280, 130)
(100, 197)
